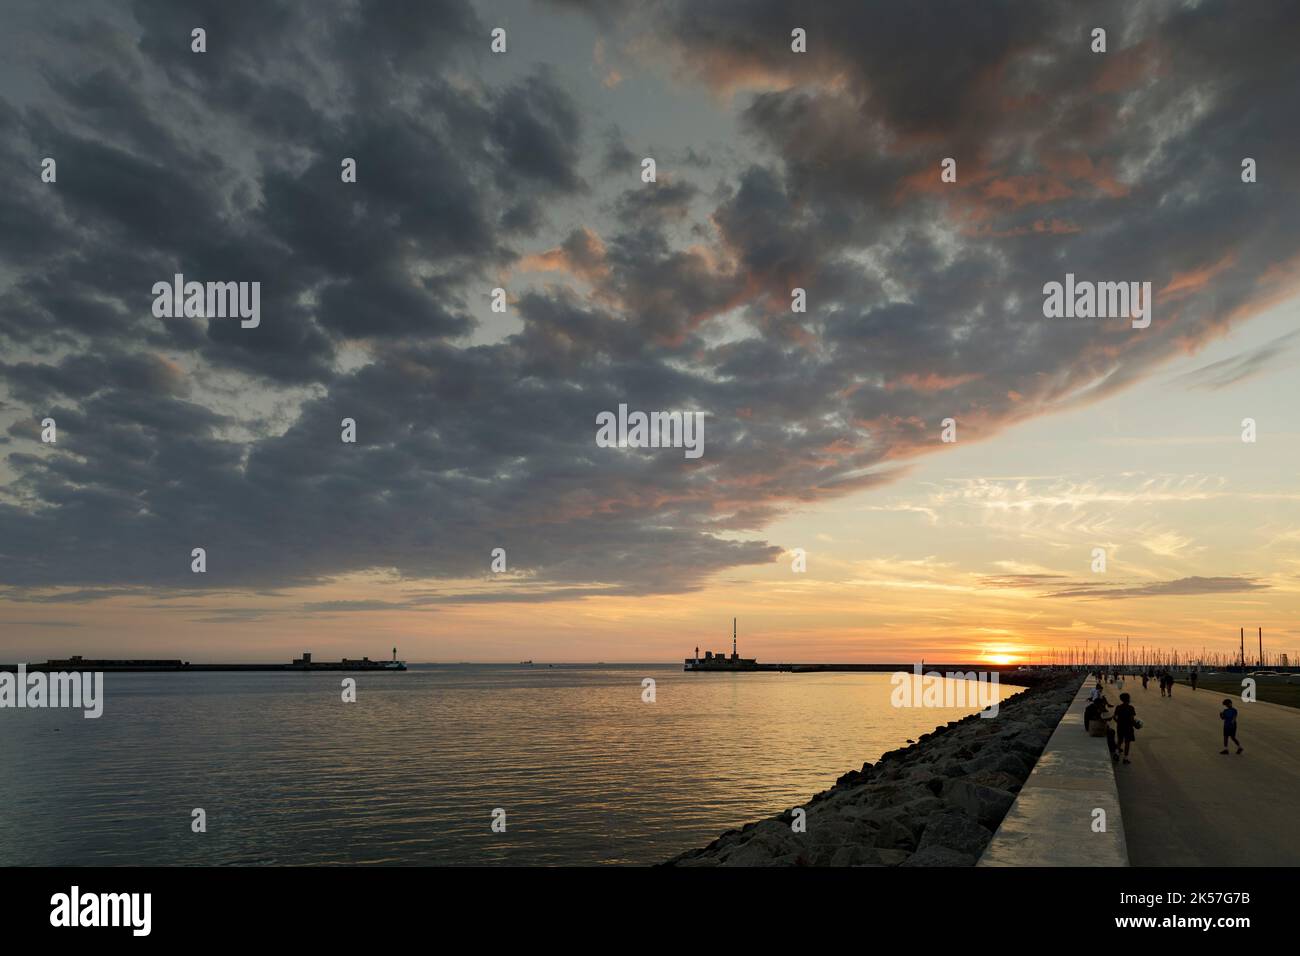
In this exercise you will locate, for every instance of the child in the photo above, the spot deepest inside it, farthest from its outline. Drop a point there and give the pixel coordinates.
(1229, 718)
(1125, 718)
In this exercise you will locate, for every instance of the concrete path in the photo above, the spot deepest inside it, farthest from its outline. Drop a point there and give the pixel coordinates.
(1051, 822)
(1185, 805)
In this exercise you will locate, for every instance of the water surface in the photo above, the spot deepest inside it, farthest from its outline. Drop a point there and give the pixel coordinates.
(586, 772)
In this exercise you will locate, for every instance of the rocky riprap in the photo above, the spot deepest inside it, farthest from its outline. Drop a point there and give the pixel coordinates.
(935, 803)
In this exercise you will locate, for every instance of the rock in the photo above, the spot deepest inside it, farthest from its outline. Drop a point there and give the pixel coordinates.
(955, 830)
(759, 851)
(891, 857)
(986, 804)
(914, 811)
(997, 779)
(939, 856)
(852, 779)
(853, 856)
(893, 835)
(1008, 763)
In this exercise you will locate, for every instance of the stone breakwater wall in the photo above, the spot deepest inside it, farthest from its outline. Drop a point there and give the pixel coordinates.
(934, 803)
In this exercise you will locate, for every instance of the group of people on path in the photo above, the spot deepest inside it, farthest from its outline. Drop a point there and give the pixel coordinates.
(1121, 736)
(1166, 680)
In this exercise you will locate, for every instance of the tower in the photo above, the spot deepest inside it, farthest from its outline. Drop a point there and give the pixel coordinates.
(394, 655)
(734, 655)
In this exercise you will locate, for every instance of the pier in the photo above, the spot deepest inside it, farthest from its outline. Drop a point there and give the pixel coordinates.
(146, 666)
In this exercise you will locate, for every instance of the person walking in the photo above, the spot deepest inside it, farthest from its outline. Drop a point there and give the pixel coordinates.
(1145, 675)
(1126, 723)
(1229, 718)
(1194, 675)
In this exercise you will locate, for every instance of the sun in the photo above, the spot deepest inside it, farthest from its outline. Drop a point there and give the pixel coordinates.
(999, 658)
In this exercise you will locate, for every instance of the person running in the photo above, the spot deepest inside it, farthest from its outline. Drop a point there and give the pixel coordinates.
(1145, 677)
(1125, 724)
(1229, 718)
(1194, 675)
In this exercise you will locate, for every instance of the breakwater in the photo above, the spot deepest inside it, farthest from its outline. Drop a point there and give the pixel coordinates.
(933, 803)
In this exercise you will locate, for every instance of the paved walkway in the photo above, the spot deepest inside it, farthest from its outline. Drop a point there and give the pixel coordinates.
(1186, 805)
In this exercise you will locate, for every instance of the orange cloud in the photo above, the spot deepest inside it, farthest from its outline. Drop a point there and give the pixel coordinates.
(581, 255)
(1193, 280)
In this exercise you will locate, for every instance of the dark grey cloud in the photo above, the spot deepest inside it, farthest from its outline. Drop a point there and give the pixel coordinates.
(1241, 367)
(924, 300)
(1179, 587)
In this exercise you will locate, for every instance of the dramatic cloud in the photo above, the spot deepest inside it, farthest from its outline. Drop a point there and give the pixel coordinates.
(924, 298)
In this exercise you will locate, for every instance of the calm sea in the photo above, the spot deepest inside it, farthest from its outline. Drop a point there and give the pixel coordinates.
(411, 773)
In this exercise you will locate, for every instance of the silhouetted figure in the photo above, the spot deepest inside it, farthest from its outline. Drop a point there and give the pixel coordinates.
(1229, 718)
(1194, 675)
(1125, 725)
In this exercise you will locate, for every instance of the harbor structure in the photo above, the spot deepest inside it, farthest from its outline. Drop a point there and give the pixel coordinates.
(721, 662)
(121, 665)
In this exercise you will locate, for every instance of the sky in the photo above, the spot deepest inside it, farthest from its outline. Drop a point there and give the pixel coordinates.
(827, 512)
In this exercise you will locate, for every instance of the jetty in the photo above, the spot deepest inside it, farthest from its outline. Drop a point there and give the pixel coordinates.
(145, 666)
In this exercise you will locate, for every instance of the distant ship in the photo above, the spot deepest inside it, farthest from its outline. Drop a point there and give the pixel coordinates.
(721, 662)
